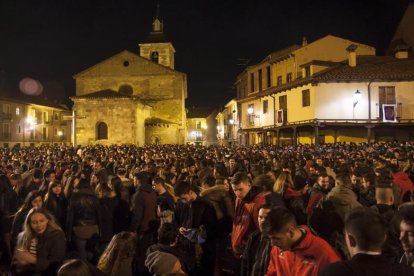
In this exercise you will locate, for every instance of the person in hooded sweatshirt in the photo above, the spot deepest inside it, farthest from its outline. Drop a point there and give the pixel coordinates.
(295, 251)
(342, 196)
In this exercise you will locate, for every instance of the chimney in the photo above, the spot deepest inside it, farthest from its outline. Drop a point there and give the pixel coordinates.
(401, 51)
(352, 62)
(304, 41)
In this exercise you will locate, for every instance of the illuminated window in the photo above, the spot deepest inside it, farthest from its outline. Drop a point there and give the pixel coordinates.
(17, 111)
(198, 124)
(305, 98)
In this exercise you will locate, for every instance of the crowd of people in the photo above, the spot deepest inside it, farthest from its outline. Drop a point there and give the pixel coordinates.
(333, 209)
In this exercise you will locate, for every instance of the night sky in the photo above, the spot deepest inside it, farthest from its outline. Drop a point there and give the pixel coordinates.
(52, 40)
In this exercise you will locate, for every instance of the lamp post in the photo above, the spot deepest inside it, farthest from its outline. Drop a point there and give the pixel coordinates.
(356, 98)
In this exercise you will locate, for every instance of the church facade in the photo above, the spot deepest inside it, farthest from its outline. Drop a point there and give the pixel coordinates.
(132, 99)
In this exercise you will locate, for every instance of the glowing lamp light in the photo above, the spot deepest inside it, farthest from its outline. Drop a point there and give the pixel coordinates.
(231, 121)
(250, 110)
(218, 127)
(60, 133)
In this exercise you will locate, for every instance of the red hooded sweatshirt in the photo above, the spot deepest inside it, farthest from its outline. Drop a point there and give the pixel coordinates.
(309, 257)
(406, 185)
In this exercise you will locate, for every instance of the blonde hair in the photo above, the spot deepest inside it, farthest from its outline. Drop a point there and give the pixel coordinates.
(283, 181)
(26, 236)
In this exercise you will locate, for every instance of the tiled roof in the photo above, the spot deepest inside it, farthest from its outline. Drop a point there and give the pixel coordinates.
(155, 37)
(107, 93)
(38, 100)
(373, 68)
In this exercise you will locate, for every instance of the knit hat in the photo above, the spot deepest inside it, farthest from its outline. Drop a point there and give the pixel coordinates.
(160, 263)
(299, 182)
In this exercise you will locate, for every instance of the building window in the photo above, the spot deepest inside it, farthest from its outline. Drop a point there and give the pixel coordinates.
(198, 124)
(279, 80)
(305, 98)
(45, 117)
(56, 116)
(32, 113)
(45, 136)
(101, 131)
(250, 112)
(251, 82)
(18, 129)
(6, 108)
(126, 90)
(5, 133)
(265, 106)
(17, 111)
(268, 76)
(55, 131)
(289, 77)
(260, 79)
(307, 71)
(155, 57)
(386, 95)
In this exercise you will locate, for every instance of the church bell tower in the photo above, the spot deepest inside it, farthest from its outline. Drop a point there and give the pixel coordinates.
(156, 47)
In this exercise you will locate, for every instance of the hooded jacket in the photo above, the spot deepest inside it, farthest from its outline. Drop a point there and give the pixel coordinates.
(309, 257)
(245, 219)
(401, 179)
(223, 205)
(344, 200)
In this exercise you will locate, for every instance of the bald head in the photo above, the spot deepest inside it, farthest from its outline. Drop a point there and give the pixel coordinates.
(384, 195)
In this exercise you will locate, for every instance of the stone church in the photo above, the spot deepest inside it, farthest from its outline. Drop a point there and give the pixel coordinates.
(132, 99)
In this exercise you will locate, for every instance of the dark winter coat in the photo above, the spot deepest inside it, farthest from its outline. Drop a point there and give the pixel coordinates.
(144, 210)
(223, 205)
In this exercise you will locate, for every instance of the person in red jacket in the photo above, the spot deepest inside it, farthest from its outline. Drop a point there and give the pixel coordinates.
(401, 179)
(296, 251)
(248, 200)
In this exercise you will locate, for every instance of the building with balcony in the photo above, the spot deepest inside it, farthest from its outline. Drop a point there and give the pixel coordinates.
(228, 124)
(32, 122)
(202, 126)
(331, 90)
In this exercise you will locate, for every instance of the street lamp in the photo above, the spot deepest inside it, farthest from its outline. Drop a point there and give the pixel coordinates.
(60, 134)
(357, 97)
(250, 110)
(231, 121)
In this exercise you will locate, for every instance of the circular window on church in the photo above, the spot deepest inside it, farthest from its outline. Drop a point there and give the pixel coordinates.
(126, 63)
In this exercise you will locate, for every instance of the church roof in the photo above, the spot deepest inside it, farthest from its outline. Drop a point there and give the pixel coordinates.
(107, 93)
(154, 121)
(125, 54)
(156, 37)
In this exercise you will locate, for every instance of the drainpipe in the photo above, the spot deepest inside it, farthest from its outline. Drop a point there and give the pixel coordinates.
(274, 115)
(369, 112)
